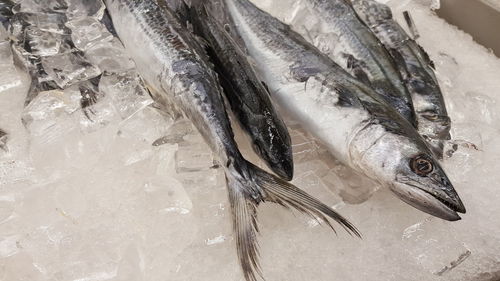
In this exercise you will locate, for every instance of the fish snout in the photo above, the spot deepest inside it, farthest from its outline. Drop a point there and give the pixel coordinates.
(437, 198)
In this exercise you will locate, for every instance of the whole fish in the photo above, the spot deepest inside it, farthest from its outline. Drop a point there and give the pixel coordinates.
(249, 99)
(357, 126)
(369, 55)
(417, 69)
(176, 68)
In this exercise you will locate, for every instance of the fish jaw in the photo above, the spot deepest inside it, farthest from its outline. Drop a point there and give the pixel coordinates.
(437, 202)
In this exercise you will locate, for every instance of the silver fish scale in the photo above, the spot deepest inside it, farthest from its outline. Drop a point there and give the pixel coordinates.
(417, 69)
(182, 70)
(366, 48)
(308, 63)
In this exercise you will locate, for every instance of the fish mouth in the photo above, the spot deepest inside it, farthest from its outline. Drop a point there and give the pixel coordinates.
(433, 204)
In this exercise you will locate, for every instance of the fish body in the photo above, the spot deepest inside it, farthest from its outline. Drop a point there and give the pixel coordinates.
(358, 41)
(175, 66)
(249, 99)
(357, 126)
(416, 68)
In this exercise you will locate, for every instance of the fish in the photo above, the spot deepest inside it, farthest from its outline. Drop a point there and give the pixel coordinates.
(360, 45)
(417, 69)
(356, 125)
(176, 68)
(247, 95)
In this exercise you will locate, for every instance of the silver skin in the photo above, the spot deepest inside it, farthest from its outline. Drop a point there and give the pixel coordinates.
(249, 99)
(373, 59)
(357, 126)
(178, 72)
(417, 70)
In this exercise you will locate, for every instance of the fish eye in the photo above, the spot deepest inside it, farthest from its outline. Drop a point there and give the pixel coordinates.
(421, 165)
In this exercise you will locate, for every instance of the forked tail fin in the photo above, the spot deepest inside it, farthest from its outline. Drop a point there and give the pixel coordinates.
(245, 194)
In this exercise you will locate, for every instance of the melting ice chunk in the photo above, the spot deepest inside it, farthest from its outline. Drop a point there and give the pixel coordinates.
(194, 155)
(43, 43)
(127, 92)
(87, 8)
(87, 32)
(69, 68)
(42, 6)
(434, 246)
(42, 112)
(48, 22)
(110, 56)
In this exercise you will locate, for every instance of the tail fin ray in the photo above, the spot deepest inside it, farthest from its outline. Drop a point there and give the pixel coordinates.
(271, 189)
(245, 227)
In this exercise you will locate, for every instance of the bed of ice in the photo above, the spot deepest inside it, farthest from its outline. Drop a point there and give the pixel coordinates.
(86, 196)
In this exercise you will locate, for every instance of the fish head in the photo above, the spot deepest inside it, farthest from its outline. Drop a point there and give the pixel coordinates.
(407, 166)
(421, 182)
(275, 148)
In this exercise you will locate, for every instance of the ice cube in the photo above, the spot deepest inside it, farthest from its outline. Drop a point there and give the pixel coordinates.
(193, 155)
(434, 246)
(136, 135)
(99, 113)
(127, 92)
(110, 56)
(49, 122)
(86, 32)
(40, 114)
(147, 125)
(54, 23)
(42, 6)
(85, 8)
(43, 43)
(69, 68)
(90, 94)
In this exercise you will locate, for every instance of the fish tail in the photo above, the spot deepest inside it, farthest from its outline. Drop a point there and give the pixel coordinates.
(251, 186)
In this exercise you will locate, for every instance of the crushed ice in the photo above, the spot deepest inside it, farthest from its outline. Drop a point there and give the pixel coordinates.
(97, 184)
